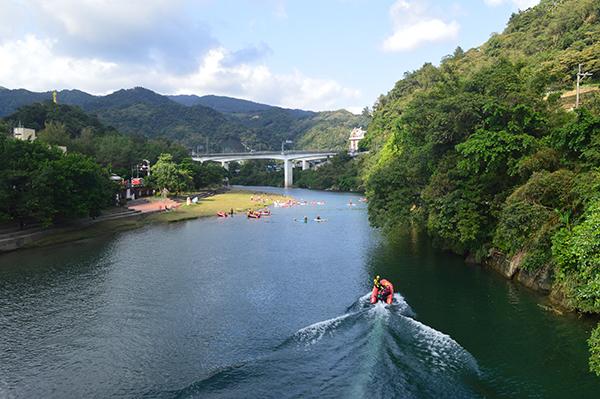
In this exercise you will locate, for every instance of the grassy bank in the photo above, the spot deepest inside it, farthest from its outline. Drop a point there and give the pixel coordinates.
(239, 201)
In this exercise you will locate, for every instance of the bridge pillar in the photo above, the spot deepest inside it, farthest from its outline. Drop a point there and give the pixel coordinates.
(305, 165)
(225, 165)
(288, 173)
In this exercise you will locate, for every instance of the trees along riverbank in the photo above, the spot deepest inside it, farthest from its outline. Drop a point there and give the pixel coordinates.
(480, 155)
(40, 184)
(340, 173)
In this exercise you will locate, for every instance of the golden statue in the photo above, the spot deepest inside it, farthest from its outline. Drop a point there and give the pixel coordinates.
(54, 96)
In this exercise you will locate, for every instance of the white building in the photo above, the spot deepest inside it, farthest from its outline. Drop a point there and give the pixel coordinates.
(22, 133)
(356, 135)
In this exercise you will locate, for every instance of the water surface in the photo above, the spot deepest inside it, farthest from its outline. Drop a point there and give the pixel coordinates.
(276, 308)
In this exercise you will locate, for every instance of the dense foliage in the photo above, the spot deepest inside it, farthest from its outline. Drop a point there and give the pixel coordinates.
(256, 173)
(184, 176)
(341, 173)
(483, 153)
(225, 124)
(69, 126)
(594, 343)
(41, 184)
(38, 183)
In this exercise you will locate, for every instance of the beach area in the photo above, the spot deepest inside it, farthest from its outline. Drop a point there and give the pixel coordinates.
(142, 212)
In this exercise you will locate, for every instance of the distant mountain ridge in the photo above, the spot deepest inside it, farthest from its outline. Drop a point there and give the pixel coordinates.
(221, 103)
(227, 124)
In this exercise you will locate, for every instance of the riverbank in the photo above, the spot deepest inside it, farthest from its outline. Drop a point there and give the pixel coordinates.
(152, 301)
(238, 200)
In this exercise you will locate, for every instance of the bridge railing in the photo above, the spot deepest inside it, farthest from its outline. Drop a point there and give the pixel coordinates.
(227, 154)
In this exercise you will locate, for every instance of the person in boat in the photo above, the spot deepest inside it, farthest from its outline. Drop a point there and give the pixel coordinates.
(383, 291)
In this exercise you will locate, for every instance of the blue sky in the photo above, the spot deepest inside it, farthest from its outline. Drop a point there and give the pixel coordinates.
(308, 54)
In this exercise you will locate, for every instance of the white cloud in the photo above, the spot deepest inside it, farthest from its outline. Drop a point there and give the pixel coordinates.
(136, 31)
(34, 64)
(259, 83)
(521, 4)
(30, 63)
(104, 45)
(413, 27)
(89, 19)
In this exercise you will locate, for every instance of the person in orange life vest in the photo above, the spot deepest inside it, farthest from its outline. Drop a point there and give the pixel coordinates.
(383, 291)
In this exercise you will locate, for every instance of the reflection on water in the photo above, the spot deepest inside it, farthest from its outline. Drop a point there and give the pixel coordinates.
(269, 308)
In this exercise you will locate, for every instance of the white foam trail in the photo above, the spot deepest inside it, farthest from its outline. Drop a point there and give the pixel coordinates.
(441, 346)
(313, 333)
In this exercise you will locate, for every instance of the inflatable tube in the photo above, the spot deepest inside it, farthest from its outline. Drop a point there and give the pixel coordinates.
(389, 298)
(222, 214)
(253, 215)
(374, 295)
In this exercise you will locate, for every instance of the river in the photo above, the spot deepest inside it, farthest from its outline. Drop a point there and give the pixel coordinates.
(230, 308)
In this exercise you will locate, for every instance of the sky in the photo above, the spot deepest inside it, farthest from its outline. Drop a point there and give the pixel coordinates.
(309, 54)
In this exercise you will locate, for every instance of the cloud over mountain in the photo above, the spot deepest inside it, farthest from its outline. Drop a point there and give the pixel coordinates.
(413, 27)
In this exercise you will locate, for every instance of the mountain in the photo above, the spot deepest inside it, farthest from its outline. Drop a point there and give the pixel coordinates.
(331, 130)
(222, 104)
(227, 124)
(11, 100)
(127, 97)
(36, 115)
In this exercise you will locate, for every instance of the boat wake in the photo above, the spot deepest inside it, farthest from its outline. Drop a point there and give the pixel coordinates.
(369, 351)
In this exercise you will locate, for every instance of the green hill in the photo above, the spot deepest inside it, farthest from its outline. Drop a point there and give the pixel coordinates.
(481, 153)
(221, 103)
(227, 124)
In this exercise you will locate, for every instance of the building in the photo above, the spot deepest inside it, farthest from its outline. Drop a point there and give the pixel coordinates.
(356, 135)
(22, 133)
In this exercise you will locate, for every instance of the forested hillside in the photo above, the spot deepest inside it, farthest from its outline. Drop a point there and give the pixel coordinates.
(481, 153)
(226, 124)
(69, 126)
(222, 104)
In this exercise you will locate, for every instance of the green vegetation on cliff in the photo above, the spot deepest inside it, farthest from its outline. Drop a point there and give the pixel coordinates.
(341, 173)
(482, 154)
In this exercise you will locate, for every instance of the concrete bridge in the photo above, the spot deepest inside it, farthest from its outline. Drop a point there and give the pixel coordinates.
(289, 158)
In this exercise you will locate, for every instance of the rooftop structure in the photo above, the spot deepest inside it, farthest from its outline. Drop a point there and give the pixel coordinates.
(356, 135)
(22, 133)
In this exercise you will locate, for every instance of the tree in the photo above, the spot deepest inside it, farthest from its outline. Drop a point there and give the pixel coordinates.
(167, 174)
(203, 174)
(20, 162)
(69, 187)
(594, 343)
(54, 133)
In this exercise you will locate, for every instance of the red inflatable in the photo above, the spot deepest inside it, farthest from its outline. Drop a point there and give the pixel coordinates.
(387, 290)
(253, 215)
(222, 214)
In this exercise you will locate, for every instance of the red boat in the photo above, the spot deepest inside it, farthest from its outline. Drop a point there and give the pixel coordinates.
(253, 215)
(385, 294)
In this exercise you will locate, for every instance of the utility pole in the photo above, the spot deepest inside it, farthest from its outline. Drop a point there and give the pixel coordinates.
(580, 77)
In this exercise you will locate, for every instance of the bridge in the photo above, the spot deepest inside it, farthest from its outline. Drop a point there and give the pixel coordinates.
(289, 158)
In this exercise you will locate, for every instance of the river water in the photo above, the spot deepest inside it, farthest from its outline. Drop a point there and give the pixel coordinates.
(276, 308)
